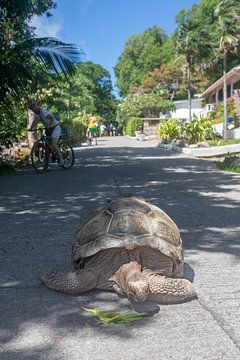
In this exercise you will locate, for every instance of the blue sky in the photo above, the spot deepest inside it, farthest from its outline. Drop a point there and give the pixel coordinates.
(101, 27)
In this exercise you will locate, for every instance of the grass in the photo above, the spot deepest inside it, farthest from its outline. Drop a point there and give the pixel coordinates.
(231, 163)
(229, 168)
(221, 142)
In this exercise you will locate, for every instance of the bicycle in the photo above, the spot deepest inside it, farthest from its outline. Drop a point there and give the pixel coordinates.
(42, 153)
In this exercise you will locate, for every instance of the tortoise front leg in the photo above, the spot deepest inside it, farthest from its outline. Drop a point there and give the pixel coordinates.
(71, 282)
(169, 290)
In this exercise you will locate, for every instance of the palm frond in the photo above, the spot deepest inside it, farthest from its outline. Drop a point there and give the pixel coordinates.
(20, 64)
(56, 55)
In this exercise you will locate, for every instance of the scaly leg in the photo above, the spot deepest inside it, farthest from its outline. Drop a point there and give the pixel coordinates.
(71, 282)
(169, 290)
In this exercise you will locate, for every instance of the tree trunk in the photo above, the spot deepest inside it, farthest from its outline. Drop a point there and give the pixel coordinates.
(225, 120)
(189, 93)
(69, 109)
(32, 135)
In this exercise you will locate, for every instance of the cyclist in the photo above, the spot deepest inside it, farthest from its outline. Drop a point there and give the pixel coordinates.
(92, 127)
(52, 126)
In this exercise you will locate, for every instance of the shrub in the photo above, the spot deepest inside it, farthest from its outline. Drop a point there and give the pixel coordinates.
(133, 124)
(231, 163)
(169, 130)
(76, 129)
(217, 113)
(198, 130)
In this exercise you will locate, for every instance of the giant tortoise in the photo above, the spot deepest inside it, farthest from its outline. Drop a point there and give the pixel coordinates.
(130, 246)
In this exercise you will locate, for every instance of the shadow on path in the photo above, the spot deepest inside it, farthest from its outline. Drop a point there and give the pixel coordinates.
(39, 215)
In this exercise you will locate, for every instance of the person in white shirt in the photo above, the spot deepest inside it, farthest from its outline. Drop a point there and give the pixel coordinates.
(53, 129)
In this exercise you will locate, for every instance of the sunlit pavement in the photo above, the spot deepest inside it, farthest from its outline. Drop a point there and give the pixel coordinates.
(38, 218)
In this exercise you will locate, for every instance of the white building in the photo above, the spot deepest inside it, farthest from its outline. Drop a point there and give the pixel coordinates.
(182, 109)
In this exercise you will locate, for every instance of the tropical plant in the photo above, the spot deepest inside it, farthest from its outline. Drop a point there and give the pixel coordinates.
(218, 111)
(18, 64)
(193, 44)
(198, 130)
(228, 16)
(169, 130)
(28, 63)
(21, 51)
(133, 124)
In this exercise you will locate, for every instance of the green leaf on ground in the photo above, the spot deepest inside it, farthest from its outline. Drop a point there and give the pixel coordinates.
(111, 317)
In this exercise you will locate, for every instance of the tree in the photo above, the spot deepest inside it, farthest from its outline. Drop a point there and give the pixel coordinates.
(205, 14)
(101, 89)
(21, 51)
(142, 53)
(28, 63)
(146, 105)
(193, 44)
(89, 90)
(228, 16)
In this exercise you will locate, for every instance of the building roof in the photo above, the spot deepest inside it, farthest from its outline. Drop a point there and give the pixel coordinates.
(232, 77)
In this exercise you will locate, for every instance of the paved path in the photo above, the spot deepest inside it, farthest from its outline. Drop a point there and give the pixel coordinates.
(38, 217)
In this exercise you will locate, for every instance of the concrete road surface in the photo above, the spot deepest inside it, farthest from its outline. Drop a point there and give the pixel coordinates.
(38, 218)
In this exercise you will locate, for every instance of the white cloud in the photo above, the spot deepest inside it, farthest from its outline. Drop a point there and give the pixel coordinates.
(47, 27)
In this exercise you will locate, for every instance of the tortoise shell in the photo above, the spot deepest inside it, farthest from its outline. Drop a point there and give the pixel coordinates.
(128, 223)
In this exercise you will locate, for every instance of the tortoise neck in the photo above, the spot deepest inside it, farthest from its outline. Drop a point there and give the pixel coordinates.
(127, 272)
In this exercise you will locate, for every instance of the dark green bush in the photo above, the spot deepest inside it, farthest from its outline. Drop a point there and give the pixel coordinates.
(75, 129)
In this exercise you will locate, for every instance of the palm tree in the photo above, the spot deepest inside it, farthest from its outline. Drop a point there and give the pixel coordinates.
(228, 16)
(193, 45)
(18, 64)
(29, 64)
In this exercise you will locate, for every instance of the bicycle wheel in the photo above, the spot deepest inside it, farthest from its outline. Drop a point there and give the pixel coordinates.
(39, 157)
(67, 153)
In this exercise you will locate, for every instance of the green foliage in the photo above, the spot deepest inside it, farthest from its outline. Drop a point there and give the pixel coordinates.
(12, 122)
(219, 18)
(221, 142)
(192, 40)
(230, 163)
(147, 105)
(198, 130)
(110, 317)
(196, 41)
(90, 91)
(169, 130)
(133, 124)
(217, 112)
(228, 24)
(21, 53)
(142, 53)
(77, 127)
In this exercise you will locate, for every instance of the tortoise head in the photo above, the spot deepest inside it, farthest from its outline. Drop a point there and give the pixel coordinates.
(137, 288)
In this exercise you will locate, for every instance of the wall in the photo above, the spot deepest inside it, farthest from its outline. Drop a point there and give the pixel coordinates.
(150, 126)
(182, 109)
